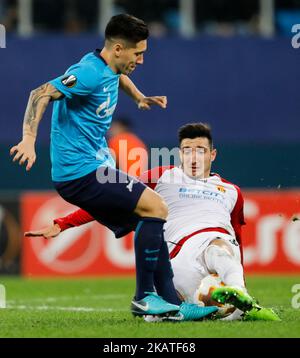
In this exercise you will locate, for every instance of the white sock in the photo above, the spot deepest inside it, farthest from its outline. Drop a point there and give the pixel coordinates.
(236, 315)
(220, 261)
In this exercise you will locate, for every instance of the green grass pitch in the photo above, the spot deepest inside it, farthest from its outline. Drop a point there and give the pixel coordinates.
(100, 308)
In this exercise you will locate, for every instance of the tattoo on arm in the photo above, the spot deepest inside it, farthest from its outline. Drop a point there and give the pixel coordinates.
(37, 104)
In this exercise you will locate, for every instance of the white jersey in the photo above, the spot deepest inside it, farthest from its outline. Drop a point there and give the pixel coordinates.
(197, 204)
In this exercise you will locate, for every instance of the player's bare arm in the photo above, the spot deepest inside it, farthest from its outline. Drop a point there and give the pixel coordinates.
(37, 104)
(141, 100)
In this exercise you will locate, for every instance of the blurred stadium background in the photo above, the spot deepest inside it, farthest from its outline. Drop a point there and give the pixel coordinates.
(226, 62)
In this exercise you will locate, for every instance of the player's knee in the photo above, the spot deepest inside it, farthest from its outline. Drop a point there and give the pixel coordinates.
(152, 204)
(213, 253)
(223, 245)
(160, 210)
(217, 250)
(155, 209)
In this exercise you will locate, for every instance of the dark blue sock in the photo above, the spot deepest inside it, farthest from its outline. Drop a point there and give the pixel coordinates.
(148, 240)
(163, 277)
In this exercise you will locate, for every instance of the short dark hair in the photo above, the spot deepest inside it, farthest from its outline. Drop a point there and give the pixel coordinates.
(195, 130)
(126, 27)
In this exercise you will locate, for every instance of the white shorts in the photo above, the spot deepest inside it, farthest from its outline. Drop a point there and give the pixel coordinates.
(189, 265)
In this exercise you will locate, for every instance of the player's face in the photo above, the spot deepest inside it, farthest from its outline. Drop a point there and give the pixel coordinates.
(129, 57)
(196, 157)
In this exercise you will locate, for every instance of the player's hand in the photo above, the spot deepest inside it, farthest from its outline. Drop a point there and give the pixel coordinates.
(146, 102)
(24, 151)
(48, 232)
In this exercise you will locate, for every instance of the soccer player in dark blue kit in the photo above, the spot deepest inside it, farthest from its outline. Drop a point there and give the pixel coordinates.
(85, 98)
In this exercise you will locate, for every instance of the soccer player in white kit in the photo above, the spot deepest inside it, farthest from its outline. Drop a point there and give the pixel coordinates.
(203, 228)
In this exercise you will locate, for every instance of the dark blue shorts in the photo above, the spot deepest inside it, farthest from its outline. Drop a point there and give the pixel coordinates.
(111, 203)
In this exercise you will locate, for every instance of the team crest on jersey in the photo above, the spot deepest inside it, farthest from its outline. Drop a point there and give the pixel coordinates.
(69, 81)
(221, 189)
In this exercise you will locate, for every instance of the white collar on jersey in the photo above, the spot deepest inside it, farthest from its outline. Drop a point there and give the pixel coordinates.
(195, 178)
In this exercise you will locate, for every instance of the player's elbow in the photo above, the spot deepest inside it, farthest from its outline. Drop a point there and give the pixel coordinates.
(36, 93)
(33, 92)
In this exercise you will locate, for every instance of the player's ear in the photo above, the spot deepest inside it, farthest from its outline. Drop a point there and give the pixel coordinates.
(118, 47)
(213, 155)
(180, 156)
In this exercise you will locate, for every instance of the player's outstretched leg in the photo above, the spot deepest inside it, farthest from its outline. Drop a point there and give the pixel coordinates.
(219, 258)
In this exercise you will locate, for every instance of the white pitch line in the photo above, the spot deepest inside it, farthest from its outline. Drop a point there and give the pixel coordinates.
(60, 308)
(68, 298)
